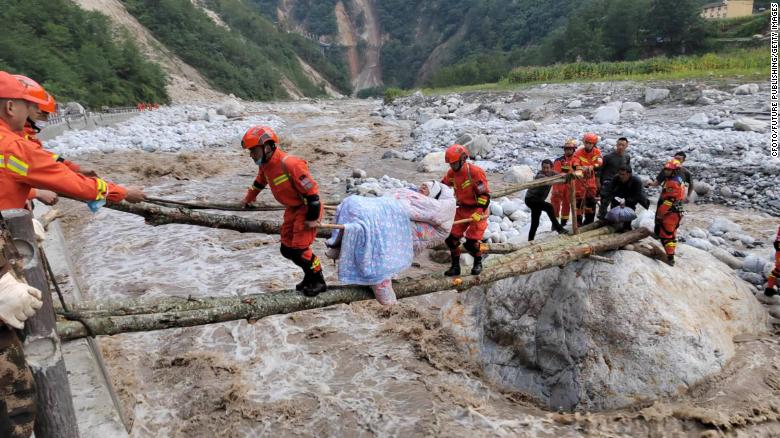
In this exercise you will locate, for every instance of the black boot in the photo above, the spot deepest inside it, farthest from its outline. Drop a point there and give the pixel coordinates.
(476, 269)
(563, 222)
(770, 291)
(589, 218)
(306, 279)
(562, 230)
(454, 270)
(670, 261)
(316, 285)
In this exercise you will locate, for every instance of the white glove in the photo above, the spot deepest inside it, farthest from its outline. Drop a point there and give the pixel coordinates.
(18, 301)
(40, 232)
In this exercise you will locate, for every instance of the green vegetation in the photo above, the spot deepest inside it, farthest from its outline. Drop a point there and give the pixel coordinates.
(248, 60)
(75, 56)
(753, 60)
(392, 94)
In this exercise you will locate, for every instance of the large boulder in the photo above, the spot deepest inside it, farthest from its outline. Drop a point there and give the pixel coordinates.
(230, 108)
(476, 144)
(436, 124)
(607, 114)
(748, 124)
(632, 107)
(746, 89)
(519, 174)
(698, 119)
(721, 226)
(655, 95)
(433, 162)
(74, 109)
(594, 336)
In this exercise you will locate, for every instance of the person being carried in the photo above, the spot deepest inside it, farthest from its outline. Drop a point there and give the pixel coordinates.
(561, 197)
(629, 189)
(669, 213)
(588, 160)
(292, 186)
(771, 282)
(536, 200)
(472, 193)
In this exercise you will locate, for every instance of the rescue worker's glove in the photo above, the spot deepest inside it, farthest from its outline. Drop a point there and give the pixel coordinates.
(18, 301)
(476, 217)
(770, 291)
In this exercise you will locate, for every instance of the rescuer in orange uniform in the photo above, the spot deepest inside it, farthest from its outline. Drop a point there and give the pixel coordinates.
(31, 130)
(24, 165)
(670, 212)
(588, 159)
(771, 281)
(561, 198)
(472, 194)
(292, 186)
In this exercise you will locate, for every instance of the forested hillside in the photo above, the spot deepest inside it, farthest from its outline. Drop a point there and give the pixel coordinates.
(75, 54)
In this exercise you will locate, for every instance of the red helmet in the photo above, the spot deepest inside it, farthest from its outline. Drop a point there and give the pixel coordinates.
(33, 92)
(673, 164)
(590, 137)
(258, 135)
(454, 153)
(570, 144)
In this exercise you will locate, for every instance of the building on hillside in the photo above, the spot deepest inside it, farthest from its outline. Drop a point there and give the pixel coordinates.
(727, 9)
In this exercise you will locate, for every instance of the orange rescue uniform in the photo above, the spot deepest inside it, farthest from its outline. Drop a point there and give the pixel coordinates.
(669, 214)
(561, 198)
(586, 188)
(472, 193)
(290, 183)
(772, 279)
(24, 166)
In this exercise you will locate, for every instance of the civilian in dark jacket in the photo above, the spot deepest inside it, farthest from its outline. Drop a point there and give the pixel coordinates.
(536, 200)
(629, 188)
(613, 162)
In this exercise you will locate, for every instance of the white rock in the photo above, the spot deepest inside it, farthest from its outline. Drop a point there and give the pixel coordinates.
(722, 226)
(525, 126)
(697, 233)
(716, 240)
(754, 264)
(433, 162)
(618, 105)
(748, 124)
(702, 188)
(725, 257)
(519, 174)
(702, 244)
(751, 277)
(633, 107)
(606, 114)
(496, 210)
(746, 89)
(518, 216)
(698, 119)
(726, 192)
(747, 240)
(726, 124)
(230, 108)
(436, 124)
(549, 335)
(655, 95)
(509, 207)
(476, 144)
(574, 104)
(359, 173)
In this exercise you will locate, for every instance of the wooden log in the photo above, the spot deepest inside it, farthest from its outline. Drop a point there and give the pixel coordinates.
(550, 180)
(258, 306)
(224, 206)
(56, 416)
(573, 207)
(156, 216)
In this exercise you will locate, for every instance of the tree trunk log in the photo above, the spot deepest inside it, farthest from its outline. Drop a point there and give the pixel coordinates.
(550, 180)
(56, 416)
(188, 313)
(156, 216)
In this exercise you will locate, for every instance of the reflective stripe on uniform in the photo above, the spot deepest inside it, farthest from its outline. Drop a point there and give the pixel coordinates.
(671, 245)
(280, 179)
(16, 165)
(465, 184)
(482, 200)
(102, 189)
(668, 203)
(315, 263)
(55, 157)
(2, 161)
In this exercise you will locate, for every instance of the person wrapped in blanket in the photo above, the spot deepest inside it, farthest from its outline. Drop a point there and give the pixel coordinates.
(382, 235)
